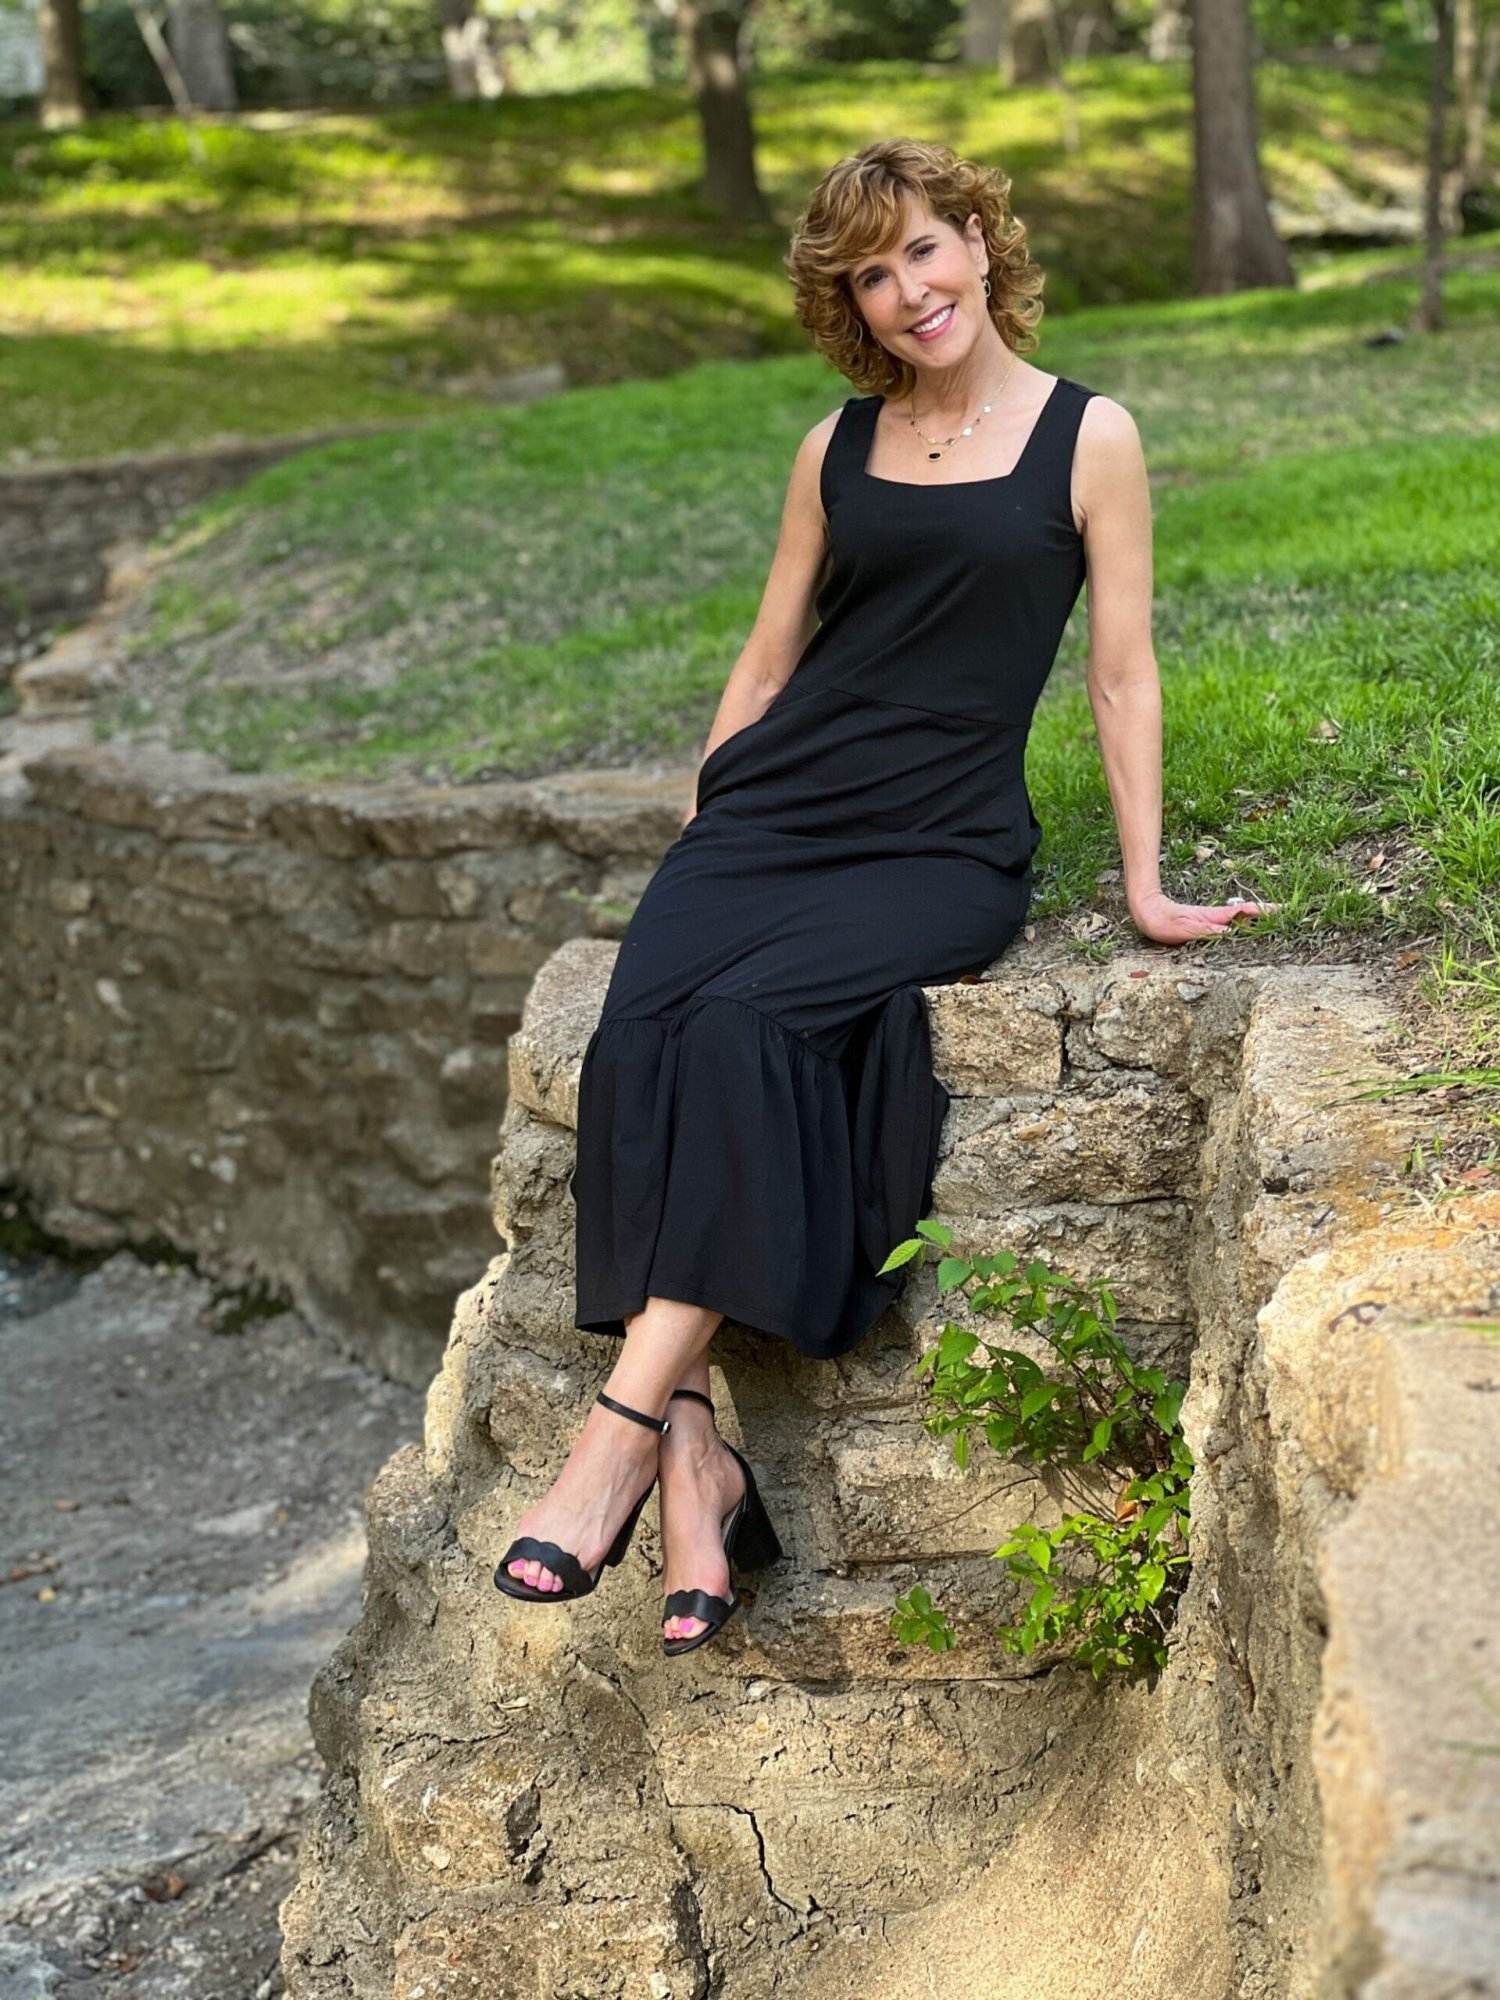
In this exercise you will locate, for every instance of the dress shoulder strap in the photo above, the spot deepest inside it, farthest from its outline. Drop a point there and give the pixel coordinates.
(1058, 425)
(848, 448)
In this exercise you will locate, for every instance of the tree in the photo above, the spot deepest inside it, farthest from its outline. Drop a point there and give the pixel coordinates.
(64, 99)
(716, 69)
(983, 32)
(1476, 68)
(476, 66)
(200, 48)
(1235, 244)
(1430, 309)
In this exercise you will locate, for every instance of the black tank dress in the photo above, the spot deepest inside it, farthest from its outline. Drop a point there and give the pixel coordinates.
(758, 1117)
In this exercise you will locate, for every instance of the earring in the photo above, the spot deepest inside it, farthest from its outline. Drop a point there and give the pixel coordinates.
(986, 286)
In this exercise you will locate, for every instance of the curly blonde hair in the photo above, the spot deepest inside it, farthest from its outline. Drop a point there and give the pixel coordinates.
(855, 210)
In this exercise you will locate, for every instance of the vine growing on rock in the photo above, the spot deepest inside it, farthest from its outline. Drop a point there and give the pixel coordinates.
(1103, 1584)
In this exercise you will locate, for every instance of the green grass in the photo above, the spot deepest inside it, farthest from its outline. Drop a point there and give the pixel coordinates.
(328, 269)
(571, 583)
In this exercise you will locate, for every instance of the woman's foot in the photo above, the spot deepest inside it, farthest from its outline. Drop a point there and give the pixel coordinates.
(701, 1483)
(611, 1464)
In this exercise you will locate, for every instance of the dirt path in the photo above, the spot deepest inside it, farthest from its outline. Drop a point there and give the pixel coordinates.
(185, 1503)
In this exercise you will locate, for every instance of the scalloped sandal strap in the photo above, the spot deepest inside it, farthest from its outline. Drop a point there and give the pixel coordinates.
(550, 1556)
(697, 1604)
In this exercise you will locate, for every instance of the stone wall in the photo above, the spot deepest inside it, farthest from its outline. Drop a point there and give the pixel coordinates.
(269, 1021)
(60, 524)
(525, 1801)
(62, 527)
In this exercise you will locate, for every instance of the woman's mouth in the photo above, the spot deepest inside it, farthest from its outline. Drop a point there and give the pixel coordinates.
(934, 325)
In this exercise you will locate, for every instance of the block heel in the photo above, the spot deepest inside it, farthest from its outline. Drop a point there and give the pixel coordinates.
(750, 1542)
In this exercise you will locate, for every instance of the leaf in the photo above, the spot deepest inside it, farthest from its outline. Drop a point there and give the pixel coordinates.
(937, 1232)
(902, 1254)
(1037, 1399)
(961, 1451)
(955, 1346)
(1167, 1405)
(952, 1271)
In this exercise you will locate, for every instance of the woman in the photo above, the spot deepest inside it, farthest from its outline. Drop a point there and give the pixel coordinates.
(758, 1118)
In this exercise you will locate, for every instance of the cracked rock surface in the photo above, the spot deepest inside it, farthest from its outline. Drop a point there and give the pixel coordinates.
(531, 1803)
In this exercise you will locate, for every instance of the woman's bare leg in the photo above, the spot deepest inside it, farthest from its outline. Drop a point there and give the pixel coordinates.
(700, 1483)
(613, 1459)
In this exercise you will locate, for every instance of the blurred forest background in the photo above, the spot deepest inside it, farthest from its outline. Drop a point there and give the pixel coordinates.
(1269, 227)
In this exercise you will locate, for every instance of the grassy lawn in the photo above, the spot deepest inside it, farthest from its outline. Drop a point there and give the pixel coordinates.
(325, 269)
(571, 582)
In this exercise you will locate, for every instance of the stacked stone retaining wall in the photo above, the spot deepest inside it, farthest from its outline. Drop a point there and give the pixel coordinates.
(268, 1021)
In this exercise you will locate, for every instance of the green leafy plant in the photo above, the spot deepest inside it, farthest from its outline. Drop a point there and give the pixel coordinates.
(1103, 1584)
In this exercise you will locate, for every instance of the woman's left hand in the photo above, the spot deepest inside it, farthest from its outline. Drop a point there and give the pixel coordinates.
(1159, 918)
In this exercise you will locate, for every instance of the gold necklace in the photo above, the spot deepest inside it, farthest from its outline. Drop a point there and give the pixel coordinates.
(969, 429)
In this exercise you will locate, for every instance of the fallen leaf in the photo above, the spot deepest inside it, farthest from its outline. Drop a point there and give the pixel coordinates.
(38, 1566)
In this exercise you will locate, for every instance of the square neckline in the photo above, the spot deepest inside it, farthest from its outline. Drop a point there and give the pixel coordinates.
(945, 485)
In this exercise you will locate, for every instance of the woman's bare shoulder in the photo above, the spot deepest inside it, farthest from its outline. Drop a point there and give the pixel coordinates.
(807, 467)
(1109, 462)
(816, 440)
(1107, 423)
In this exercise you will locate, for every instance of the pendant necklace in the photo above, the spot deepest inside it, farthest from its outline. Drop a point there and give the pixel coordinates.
(969, 429)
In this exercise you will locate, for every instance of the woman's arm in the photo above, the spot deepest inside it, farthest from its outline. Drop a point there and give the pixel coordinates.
(1112, 494)
(786, 619)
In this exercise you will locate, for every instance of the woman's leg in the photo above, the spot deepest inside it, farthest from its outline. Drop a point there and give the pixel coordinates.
(700, 1483)
(613, 1459)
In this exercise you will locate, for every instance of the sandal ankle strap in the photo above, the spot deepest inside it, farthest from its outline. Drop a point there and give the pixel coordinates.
(696, 1396)
(662, 1424)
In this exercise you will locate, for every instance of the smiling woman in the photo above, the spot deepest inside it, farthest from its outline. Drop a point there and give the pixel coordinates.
(758, 1117)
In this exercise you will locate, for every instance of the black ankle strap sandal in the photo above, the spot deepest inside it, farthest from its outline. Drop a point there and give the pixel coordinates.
(577, 1581)
(749, 1543)
(662, 1424)
(694, 1396)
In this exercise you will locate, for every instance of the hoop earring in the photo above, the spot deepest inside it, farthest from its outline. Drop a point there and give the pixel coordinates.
(986, 286)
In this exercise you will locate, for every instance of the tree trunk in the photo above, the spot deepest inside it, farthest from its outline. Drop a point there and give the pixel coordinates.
(1430, 311)
(64, 100)
(475, 65)
(716, 76)
(200, 49)
(1235, 244)
(1476, 59)
(1170, 36)
(984, 32)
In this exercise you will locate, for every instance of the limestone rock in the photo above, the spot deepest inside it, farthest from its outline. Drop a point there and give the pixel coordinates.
(531, 1801)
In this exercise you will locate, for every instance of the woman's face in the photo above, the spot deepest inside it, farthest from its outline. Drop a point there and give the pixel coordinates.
(930, 278)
